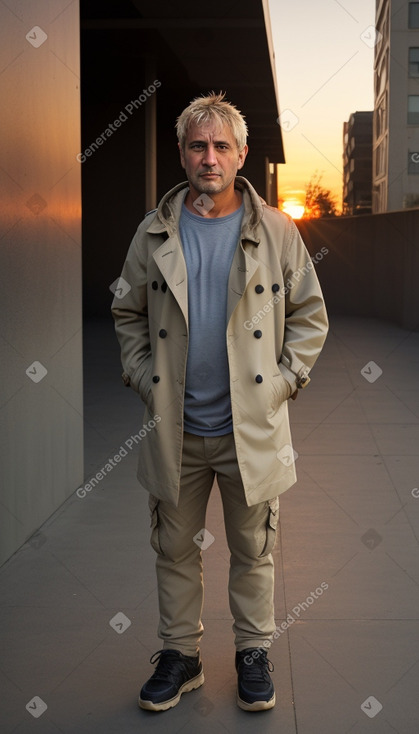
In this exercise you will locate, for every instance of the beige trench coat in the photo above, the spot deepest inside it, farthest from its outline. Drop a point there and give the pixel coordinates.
(276, 327)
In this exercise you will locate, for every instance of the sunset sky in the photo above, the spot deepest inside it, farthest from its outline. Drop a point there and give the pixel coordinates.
(324, 65)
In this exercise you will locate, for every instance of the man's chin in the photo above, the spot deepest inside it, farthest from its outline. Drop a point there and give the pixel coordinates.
(209, 187)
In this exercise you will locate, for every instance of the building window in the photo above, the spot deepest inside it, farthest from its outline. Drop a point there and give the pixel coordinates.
(413, 162)
(380, 117)
(413, 109)
(413, 61)
(413, 15)
(380, 159)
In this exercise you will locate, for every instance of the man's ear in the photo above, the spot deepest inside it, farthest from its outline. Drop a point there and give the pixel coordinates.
(182, 157)
(242, 157)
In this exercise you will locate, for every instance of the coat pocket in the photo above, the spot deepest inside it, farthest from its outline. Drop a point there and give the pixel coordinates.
(271, 526)
(281, 391)
(153, 504)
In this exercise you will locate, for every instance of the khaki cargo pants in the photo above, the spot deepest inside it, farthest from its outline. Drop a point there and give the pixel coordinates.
(250, 535)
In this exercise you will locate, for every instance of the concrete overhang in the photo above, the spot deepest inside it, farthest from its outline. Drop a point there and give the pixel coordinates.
(198, 47)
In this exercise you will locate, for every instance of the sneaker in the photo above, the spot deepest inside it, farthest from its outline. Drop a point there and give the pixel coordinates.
(175, 674)
(255, 690)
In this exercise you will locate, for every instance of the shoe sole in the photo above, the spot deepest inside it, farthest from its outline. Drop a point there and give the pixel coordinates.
(190, 685)
(256, 705)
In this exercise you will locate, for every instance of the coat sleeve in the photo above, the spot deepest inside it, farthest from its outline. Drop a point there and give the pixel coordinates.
(306, 322)
(130, 313)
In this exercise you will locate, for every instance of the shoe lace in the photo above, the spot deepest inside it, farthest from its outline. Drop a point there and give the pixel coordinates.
(164, 667)
(259, 667)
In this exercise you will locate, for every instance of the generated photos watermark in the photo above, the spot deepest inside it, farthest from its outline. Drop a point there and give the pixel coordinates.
(121, 454)
(371, 539)
(371, 707)
(203, 204)
(287, 455)
(288, 120)
(292, 617)
(36, 707)
(131, 107)
(371, 36)
(120, 287)
(36, 203)
(36, 36)
(371, 371)
(296, 276)
(120, 622)
(203, 539)
(36, 371)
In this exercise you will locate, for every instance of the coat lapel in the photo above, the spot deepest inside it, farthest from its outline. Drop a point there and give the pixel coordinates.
(242, 271)
(171, 263)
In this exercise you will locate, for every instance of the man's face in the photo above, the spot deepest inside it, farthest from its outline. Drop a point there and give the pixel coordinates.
(211, 158)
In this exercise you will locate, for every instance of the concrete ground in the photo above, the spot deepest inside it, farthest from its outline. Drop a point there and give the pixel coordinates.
(78, 601)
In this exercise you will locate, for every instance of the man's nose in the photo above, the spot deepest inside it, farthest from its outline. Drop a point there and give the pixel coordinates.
(210, 158)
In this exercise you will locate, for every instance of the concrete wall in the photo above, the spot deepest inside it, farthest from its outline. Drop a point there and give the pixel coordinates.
(41, 413)
(372, 267)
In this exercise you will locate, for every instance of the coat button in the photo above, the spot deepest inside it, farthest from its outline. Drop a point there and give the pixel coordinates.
(164, 286)
(257, 334)
(259, 289)
(275, 287)
(156, 378)
(154, 285)
(163, 333)
(259, 378)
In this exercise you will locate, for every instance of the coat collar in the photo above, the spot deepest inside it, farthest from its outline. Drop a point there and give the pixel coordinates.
(166, 218)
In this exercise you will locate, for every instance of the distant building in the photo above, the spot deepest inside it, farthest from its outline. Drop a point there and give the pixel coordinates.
(357, 164)
(396, 106)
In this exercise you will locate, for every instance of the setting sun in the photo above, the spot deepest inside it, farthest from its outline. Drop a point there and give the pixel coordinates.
(293, 208)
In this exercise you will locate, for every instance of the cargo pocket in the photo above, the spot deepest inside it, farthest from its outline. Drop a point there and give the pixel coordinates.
(153, 504)
(271, 526)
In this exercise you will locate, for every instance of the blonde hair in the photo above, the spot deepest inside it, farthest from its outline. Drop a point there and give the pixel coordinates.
(212, 108)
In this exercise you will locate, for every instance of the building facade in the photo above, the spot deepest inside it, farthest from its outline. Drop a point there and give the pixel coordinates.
(396, 106)
(357, 164)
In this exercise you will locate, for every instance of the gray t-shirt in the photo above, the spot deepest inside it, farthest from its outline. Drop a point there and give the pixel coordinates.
(208, 246)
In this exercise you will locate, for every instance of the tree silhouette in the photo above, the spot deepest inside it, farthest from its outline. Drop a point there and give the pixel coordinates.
(319, 201)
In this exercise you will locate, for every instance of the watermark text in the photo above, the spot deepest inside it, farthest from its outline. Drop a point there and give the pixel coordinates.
(112, 462)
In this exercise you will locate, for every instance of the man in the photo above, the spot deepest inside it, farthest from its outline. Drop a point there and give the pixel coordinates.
(221, 322)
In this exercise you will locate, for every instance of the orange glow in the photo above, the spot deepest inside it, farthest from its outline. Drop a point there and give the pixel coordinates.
(293, 207)
(318, 95)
